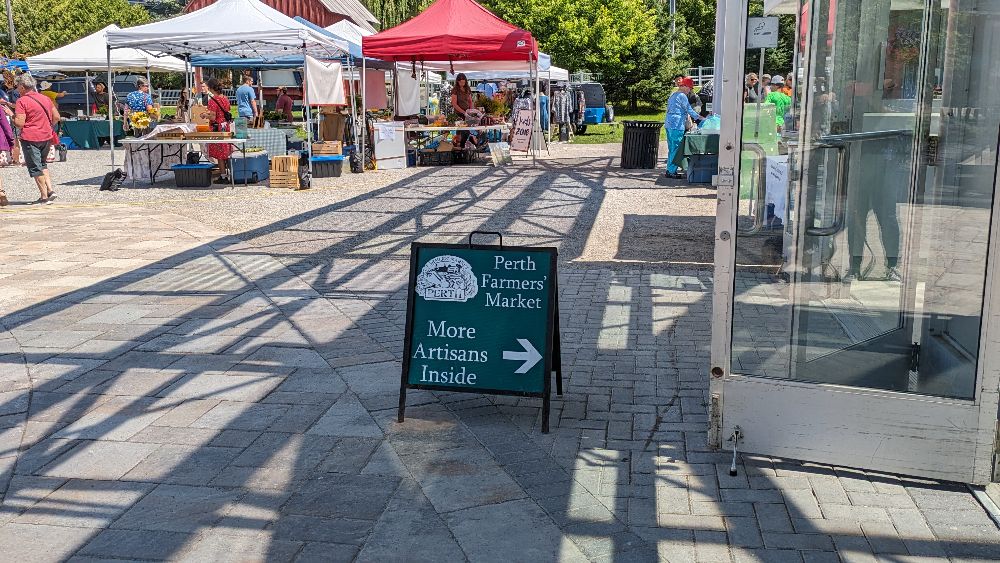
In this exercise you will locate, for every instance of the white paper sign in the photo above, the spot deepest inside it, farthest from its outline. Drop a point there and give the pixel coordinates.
(522, 130)
(500, 154)
(777, 186)
(762, 33)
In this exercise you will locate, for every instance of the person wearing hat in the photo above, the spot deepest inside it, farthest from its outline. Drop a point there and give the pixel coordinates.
(100, 96)
(675, 122)
(780, 99)
(46, 90)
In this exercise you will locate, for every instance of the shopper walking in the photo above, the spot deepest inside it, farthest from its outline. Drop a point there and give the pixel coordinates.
(246, 100)
(35, 115)
(678, 110)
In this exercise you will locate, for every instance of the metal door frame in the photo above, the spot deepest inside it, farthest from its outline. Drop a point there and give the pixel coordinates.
(983, 408)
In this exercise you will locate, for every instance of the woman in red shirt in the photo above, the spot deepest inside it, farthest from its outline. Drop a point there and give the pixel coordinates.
(35, 115)
(220, 118)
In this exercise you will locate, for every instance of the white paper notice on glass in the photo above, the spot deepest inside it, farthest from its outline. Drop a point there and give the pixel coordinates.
(522, 130)
(762, 33)
(777, 185)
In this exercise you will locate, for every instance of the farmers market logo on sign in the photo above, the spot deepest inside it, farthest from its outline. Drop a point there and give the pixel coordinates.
(447, 278)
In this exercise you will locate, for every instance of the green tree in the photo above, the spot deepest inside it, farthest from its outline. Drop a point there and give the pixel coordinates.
(163, 9)
(391, 13)
(776, 61)
(600, 36)
(43, 25)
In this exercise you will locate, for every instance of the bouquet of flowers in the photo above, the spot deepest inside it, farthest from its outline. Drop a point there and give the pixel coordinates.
(139, 119)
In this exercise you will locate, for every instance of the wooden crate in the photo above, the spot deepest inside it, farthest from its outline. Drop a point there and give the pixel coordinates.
(285, 172)
(284, 164)
(286, 180)
(327, 148)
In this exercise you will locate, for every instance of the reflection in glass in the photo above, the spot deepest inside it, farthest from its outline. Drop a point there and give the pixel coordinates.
(874, 275)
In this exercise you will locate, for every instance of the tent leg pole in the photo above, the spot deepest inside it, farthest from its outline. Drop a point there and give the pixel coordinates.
(533, 69)
(548, 94)
(149, 80)
(86, 90)
(305, 108)
(354, 103)
(364, 109)
(188, 84)
(111, 112)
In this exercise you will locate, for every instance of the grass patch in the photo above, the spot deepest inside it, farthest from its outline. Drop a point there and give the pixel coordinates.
(606, 133)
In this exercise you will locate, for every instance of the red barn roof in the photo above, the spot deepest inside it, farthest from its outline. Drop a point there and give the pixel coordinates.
(319, 12)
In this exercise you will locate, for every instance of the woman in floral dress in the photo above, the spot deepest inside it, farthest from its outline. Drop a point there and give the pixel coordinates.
(220, 119)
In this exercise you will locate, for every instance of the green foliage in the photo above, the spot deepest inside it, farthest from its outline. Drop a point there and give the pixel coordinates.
(629, 43)
(491, 106)
(776, 61)
(600, 36)
(391, 13)
(163, 9)
(43, 25)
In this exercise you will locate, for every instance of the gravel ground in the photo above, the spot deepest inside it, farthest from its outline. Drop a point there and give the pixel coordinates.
(631, 215)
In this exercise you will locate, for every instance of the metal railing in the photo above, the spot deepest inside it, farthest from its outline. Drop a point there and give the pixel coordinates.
(701, 74)
(168, 98)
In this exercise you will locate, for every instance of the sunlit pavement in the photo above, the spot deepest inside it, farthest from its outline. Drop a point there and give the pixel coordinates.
(173, 389)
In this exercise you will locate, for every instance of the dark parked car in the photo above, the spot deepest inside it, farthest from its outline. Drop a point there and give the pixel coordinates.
(76, 98)
(598, 111)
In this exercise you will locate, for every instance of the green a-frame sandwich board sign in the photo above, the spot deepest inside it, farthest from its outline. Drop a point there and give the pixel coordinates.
(482, 319)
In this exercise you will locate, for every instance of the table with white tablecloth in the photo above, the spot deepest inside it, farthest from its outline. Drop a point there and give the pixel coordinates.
(140, 157)
(151, 159)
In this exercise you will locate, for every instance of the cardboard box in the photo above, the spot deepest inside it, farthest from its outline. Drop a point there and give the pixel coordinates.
(331, 127)
(196, 114)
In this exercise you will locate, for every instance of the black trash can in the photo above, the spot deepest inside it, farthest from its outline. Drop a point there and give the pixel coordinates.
(641, 144)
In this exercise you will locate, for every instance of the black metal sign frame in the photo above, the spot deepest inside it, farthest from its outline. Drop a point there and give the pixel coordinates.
(553, 349)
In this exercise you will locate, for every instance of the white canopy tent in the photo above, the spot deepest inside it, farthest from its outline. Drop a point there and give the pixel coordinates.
(553, 73)
(240, 28)
(350, 32)
(90, 54)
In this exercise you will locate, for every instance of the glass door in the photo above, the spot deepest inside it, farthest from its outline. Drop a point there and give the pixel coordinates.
(861, 256)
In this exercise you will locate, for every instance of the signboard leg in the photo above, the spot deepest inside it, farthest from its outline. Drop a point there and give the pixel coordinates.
(556, 345)
(402, 402)
(545, 413)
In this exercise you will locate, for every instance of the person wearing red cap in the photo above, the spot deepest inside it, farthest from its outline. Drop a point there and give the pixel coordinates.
(678, 109)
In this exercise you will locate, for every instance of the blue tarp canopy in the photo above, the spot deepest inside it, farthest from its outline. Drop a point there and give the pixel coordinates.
(226, 61)
(12, 64)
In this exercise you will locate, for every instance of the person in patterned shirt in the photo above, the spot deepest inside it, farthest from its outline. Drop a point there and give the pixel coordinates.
(140, 100)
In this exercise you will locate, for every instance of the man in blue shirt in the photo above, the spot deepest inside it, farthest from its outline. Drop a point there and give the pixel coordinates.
(678, 109)
(246, 99)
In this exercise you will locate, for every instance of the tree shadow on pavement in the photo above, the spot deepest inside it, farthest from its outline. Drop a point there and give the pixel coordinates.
(236, 401)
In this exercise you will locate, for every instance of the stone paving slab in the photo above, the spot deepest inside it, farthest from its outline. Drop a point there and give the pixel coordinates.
(201, 396)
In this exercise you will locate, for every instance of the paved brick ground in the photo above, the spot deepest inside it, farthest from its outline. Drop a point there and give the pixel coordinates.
(168, 391)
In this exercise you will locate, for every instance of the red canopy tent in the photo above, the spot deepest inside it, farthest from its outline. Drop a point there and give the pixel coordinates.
(452, 30)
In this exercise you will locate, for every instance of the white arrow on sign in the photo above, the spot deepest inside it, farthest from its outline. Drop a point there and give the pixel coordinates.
(530, 356)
